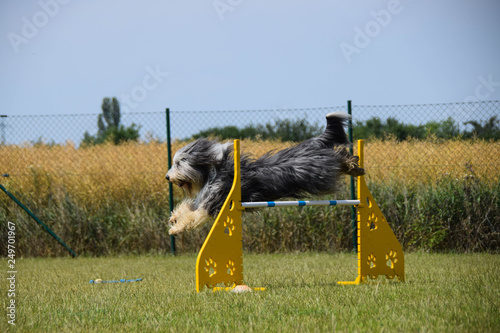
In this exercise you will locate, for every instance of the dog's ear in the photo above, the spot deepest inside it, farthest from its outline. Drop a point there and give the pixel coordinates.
(221, 150)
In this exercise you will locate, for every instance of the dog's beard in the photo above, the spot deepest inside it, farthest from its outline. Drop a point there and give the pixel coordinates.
(191, 187)
(185, 186)
(188, 188)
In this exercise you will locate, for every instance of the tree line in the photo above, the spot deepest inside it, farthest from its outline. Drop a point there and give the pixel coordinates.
(445, 129)
(373, 128)
(109, 129)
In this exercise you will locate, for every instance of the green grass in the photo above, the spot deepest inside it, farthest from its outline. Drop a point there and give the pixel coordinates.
(443, 292)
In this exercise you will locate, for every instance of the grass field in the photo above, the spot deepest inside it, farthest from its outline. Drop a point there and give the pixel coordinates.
(443, 293)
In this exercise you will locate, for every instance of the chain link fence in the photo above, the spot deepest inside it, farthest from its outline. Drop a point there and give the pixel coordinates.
(53, 144)
(49, 165)
(393, 154)
(451, 145)
(68, 130)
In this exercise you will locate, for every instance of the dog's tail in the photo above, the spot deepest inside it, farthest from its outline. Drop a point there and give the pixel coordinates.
(334, 133)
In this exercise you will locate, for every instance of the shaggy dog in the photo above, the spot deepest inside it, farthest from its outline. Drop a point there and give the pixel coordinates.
(204, 169)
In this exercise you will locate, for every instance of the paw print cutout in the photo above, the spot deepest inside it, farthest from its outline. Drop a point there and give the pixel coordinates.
(391, 258)
(231, 267)
(371, 261)
(210, 267)
(372, 221)
(229, 226)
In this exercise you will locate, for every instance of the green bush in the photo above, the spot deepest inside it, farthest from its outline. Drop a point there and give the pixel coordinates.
(283, 130)
(373, 128)
(451, 215)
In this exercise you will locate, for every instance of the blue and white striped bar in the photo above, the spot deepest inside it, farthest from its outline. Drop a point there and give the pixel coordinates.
(259, 204)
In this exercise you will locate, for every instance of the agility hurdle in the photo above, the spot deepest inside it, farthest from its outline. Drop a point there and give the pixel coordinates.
(220, 260)
(260, 204)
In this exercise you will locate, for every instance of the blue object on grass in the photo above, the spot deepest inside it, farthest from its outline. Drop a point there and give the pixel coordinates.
(116, 281)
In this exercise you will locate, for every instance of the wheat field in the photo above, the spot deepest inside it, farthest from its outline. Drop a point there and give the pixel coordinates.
(134, 170)
(110, 199)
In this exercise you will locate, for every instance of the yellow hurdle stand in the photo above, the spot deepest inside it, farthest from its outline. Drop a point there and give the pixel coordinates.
(220, 261)
(379, 252)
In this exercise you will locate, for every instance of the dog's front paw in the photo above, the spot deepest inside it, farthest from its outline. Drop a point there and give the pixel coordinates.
(174, 230)
(174, 227)
(187, 220)
(179, 224)
(180, 216)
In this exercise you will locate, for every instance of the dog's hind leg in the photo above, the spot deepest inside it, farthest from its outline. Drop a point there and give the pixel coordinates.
(185, 218)
(351, 167)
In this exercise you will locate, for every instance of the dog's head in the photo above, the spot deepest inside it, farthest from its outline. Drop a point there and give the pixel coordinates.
(195, 163)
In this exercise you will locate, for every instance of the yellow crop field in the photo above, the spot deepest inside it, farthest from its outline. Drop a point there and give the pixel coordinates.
(416, 160)
(114, 199)
(132, 171)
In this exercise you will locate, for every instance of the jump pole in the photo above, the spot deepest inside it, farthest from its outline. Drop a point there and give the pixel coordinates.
(262, 204)
(219, 265)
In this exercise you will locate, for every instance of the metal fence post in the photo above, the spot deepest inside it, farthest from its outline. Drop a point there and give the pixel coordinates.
(170, 186)
(34, 217)
(2, 128)
(353, 187)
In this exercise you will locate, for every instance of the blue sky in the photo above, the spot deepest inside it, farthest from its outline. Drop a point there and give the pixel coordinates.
(60, 57)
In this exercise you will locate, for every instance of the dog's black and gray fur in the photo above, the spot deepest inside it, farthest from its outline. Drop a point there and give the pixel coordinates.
(205, 169)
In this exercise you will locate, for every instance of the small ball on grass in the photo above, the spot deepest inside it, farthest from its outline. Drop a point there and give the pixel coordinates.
(241, 289)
